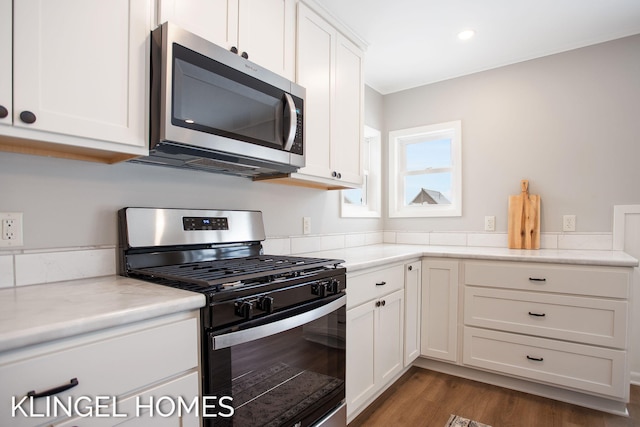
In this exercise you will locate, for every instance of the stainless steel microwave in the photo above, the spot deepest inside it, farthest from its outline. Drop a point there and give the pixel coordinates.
(216, 111)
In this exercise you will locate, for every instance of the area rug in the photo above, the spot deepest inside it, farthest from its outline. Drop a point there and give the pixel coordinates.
(457, 421)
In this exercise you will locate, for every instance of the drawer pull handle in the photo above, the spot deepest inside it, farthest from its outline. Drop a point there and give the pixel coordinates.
(535, 279)
(381, 283)
(55, 390)
(535, 359)
(537, 314)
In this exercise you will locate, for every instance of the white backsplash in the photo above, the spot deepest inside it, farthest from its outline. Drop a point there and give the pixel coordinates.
(6, 270)
(19, 268)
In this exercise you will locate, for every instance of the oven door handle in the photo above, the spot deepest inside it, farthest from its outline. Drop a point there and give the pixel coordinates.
(251, 334)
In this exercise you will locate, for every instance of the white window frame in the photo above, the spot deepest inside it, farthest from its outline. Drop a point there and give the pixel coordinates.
(371, 179)
(398, 141)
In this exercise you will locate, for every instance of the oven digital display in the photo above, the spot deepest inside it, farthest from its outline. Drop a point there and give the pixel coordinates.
(191, 223)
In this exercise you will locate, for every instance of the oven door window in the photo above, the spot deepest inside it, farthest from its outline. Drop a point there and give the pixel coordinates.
(211, 97)
(294, 377)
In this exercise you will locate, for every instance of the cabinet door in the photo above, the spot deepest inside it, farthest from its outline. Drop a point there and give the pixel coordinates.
(214, 20)
(315, 65)
(390, 336)
(267, 34)
(412, 302)
(6, 101)
(348, 112)
(439, 325)
(361, 374)
(81, 67)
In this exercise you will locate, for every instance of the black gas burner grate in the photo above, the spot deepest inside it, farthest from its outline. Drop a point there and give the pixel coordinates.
(234, 271)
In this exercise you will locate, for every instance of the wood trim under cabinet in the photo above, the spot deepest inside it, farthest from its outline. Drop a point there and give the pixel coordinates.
(47, 149)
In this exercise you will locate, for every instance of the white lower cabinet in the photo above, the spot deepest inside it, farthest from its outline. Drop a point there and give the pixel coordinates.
(557, 330)
(588, 368)
(375, 337)
(105, 374)
(439, 312)
(148, 408)
(561, 325)
(412, 304)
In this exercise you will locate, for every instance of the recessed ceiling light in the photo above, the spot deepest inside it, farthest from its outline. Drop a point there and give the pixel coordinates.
(466, 34)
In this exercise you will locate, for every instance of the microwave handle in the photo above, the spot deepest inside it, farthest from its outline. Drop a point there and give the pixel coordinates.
(293, 122)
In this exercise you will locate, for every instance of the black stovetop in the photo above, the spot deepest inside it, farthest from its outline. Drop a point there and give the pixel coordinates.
(219, 274)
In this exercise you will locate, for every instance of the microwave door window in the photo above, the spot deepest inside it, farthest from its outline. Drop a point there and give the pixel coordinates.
(212, 103)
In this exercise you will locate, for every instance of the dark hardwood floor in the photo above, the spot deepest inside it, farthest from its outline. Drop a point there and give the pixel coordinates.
(427, 399)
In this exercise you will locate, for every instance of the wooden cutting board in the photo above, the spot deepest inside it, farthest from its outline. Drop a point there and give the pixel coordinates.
(524, 219)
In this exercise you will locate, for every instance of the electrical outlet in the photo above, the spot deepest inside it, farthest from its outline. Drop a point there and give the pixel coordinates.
(569, 223)
(10, 229)
(306, 225)
(490, 223)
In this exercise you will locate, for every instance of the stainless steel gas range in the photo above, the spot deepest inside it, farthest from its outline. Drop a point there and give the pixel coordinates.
(273, 328)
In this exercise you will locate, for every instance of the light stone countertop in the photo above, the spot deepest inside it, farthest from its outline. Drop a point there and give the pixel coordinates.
(40, 313)
(363, 257)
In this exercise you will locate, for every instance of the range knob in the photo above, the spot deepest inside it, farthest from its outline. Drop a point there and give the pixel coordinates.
(320, 289)
(244, 309)
(265, 303)
(333, 286)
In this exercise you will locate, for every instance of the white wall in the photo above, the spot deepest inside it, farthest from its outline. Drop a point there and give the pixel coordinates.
(569, 123)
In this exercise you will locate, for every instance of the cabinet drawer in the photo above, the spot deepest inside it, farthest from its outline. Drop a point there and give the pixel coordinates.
(373, 284)
(577, 366)
(608, 282)
(103, 366)
(134, 410)
(580, 319)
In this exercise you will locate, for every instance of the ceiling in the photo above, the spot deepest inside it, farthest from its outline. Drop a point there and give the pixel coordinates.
(414, 42)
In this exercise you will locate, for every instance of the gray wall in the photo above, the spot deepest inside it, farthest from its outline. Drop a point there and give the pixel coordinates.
(373, 108)
(71, 203)
(569, 123)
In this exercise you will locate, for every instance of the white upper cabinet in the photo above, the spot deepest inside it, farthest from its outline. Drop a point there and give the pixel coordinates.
(214, 20)
(316, 62)
(330, 67)
(348, 111)
(79, 78)
(267, 33)
(263, 29)
(6, 101)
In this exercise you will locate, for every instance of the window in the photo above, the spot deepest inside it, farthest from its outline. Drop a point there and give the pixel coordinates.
(425, 172)
(365, 201)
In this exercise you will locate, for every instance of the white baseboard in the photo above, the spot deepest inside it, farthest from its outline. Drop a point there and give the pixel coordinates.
(603, 404)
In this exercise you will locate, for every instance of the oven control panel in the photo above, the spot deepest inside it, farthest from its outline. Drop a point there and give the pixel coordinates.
(198, 223)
